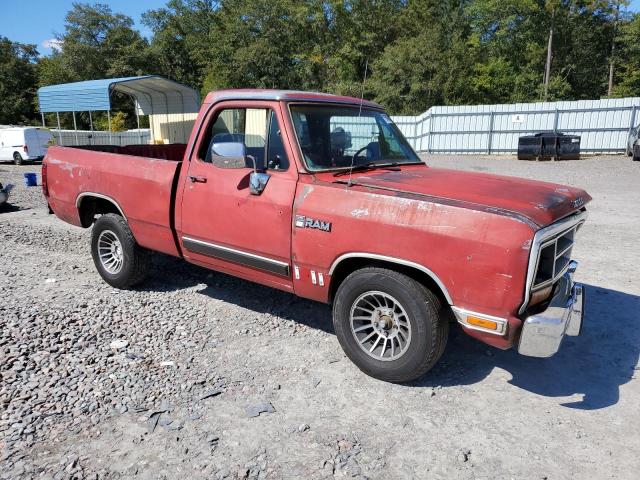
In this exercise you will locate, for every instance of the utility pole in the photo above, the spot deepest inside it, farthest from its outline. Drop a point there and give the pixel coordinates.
(613, 48)
(547, 69)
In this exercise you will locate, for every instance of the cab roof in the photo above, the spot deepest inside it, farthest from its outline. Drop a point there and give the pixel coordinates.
(285, 96)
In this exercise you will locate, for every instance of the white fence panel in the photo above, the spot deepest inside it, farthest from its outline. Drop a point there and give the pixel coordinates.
(492, 129)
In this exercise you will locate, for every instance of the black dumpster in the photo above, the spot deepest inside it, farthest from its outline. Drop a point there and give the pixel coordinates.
(568, 147)
(548, 146)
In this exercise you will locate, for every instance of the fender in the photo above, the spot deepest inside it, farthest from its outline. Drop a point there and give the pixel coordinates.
(398, 261)
(98, 195)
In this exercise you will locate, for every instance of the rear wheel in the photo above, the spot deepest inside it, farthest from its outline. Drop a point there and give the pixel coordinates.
(389, 325)
(17, 158)
(120, 261)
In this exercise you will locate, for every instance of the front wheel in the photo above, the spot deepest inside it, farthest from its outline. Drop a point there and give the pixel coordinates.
(120, 261)
(389, 325)
(17, 158)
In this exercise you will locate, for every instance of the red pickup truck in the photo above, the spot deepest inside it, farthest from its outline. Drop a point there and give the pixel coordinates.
(321, 196)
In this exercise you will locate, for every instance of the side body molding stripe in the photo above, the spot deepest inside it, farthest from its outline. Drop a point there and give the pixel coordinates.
(399, 261)
(236, 256)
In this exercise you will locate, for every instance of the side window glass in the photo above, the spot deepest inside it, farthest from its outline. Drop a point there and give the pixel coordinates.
(276, 154)
(246, 126)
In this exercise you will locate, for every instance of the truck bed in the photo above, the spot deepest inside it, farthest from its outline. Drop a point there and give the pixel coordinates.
(174, 151)
(138, 178)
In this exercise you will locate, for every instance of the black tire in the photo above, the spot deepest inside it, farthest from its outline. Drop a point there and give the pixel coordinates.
(135, 259)
(429, 326)
(17, 158)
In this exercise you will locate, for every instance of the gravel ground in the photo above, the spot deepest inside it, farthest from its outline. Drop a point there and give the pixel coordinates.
(201, 375)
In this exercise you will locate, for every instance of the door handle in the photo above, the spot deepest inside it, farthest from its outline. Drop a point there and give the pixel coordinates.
(197, 179)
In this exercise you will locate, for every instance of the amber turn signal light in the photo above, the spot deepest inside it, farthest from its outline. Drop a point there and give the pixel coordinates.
(482, 322)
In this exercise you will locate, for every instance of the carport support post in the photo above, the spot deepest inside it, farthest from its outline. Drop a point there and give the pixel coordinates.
(138, 121)
(59, 132)
(42, 114)
(109, 121)
(91, 128)
(75, 126)
(429, 135)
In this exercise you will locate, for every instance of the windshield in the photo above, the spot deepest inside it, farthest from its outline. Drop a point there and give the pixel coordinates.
(333, 137)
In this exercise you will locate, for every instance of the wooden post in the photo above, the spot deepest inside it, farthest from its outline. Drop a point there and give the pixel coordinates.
(613, 49)
(547, 70)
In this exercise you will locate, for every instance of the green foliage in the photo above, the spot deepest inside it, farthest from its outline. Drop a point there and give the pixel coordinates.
(118, 122)
(628, 60)
(17, 82)
(416, 53)
(98, 43)
(181, 43)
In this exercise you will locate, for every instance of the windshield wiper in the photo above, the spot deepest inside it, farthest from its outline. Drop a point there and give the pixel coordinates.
(369, 166)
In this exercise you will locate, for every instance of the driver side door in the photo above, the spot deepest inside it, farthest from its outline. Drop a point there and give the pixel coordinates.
(224, 226)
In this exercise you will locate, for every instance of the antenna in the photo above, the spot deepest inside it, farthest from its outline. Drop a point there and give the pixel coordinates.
(364, 80)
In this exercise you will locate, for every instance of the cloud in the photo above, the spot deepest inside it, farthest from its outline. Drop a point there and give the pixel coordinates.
(53, 44)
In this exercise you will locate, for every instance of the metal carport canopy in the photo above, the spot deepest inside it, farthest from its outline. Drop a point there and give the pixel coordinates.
(153, 94)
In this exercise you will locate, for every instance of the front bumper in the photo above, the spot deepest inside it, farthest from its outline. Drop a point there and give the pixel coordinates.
(543, 332)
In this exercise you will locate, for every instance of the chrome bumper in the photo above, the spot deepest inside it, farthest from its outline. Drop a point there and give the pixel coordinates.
(542, 333)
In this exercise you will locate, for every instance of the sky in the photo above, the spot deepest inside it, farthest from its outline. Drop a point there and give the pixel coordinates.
(38, 21)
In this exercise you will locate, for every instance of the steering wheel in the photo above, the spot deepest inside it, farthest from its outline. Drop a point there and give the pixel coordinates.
(355, 155)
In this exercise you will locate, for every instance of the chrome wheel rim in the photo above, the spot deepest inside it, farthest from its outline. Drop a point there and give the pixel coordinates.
(380, 326)
(110, 252)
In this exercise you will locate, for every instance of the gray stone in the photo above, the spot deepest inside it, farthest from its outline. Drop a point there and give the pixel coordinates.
(211, 393)
(257, 409)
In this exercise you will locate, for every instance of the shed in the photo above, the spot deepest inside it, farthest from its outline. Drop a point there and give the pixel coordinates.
(171, 106)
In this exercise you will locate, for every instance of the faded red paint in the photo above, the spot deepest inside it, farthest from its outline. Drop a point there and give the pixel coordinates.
(472, 230)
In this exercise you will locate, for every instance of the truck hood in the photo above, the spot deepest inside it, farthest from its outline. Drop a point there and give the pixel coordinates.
(540, 203)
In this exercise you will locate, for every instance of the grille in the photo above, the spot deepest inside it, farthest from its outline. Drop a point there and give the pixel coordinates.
(554, 258)
(550, 254)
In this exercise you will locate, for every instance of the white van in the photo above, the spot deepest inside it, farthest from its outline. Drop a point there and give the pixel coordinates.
(23, 143)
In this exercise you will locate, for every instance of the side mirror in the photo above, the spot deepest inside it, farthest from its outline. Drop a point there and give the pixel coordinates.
(258, 178)
(228, 154)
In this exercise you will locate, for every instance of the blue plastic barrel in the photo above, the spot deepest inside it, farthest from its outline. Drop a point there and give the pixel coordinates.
(30, 180)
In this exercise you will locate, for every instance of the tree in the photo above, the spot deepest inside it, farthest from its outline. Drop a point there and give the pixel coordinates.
(17, 82)
(417, 53)
(627, 73)
(269, 44)
(96, 44)
(181, 38)
(358, 31)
